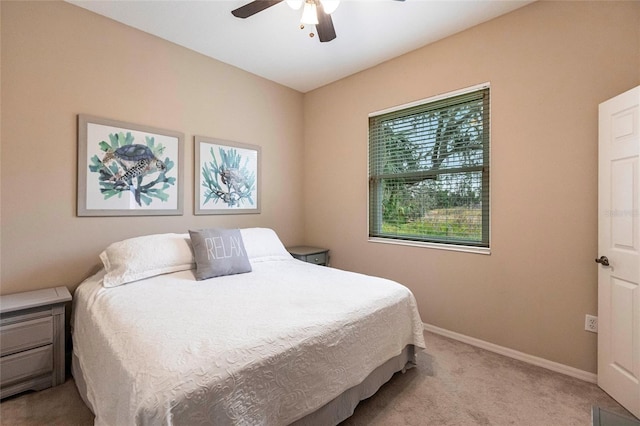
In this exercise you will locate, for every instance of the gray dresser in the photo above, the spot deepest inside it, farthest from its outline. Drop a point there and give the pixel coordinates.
(32, 350)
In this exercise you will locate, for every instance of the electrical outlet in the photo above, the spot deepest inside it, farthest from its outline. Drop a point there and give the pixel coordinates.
(591, 323)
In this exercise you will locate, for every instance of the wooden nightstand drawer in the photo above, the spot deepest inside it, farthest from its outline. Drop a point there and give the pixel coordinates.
(26, 335)
(26, 365)
(318, 258)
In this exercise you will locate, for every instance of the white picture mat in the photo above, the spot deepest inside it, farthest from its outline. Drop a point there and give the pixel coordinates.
(95, 199)
(250, 158)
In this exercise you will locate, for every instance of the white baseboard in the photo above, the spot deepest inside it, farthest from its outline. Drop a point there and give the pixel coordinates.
(521, 356)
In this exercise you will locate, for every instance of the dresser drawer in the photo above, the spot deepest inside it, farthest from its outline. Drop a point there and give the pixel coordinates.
(318, 258)
(26, 335)
(25, 365)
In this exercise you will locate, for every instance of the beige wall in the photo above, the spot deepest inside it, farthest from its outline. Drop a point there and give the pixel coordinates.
(549, 64)
(59, 60)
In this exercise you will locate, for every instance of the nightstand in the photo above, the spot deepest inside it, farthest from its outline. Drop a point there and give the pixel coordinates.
(319, 256)
(32, 327)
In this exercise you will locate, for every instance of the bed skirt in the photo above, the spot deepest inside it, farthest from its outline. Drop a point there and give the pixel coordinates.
(343, 406)
(332, 413)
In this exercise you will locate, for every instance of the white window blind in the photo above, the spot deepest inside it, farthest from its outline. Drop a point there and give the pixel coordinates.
(429, 171)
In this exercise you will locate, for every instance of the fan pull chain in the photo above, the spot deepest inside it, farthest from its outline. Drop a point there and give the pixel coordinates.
(311, 34)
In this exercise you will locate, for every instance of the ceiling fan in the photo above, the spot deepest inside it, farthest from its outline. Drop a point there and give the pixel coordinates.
(315, 12)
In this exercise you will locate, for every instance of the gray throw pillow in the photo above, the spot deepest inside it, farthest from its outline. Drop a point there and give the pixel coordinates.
(219, 252)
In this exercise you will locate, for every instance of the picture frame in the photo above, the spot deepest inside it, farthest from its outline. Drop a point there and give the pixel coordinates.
(127, 169)
(227, 177)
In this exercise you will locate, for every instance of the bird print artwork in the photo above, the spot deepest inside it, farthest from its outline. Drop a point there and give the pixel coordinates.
(135, 160)
(228, 179)
(126, 166)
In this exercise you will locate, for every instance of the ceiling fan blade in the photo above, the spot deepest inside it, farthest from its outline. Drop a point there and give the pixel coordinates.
(252, 8)
(324, 28)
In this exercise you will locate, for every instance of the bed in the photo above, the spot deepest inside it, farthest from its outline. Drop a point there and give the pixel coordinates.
(287, 343)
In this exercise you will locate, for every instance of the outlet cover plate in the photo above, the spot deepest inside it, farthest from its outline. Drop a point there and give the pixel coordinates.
(591, 323)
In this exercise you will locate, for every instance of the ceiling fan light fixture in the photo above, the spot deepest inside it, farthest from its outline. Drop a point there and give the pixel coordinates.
(309, 13)
(295, 4)
(329, 6)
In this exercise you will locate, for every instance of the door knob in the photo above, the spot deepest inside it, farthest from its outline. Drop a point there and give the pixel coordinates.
(604, 261)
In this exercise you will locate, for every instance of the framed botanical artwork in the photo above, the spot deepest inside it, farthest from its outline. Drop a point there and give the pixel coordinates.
(227, 178)
(127, 169)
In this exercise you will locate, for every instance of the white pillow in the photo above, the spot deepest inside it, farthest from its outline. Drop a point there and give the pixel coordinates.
(142, 257)
(263, 244)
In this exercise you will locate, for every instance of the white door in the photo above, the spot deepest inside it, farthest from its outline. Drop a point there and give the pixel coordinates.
(619, 242)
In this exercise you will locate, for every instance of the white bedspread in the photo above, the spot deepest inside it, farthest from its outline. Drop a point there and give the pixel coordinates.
(263, 348)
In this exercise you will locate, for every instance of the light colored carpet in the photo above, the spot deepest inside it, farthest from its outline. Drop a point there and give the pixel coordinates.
(453, 384)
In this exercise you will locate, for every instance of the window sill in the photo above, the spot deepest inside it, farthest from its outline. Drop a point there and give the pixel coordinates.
(449, 247)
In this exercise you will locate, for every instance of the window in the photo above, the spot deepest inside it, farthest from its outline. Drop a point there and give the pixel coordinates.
(429, 171)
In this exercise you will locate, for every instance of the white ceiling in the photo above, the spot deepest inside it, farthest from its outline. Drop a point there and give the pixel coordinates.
(272, 45)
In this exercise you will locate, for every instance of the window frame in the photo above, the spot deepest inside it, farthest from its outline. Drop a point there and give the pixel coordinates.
(442, 245)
